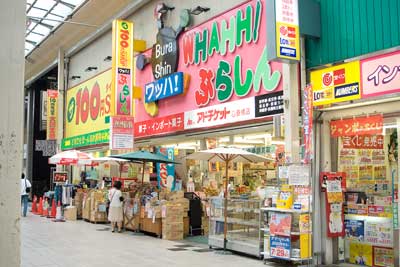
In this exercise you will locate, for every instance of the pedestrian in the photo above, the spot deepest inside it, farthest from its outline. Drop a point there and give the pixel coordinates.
(25, 190)
(115, 215)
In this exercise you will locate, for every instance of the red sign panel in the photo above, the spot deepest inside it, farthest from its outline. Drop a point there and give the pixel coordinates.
(168, 124)
(357, 126)
(363, 142)
(60, 177)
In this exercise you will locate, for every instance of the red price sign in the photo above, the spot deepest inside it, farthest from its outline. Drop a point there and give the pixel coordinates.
(60, 177)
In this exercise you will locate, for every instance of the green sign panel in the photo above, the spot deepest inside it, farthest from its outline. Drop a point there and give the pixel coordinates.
(94, 138)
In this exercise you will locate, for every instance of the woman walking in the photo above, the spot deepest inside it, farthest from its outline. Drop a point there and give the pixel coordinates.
(115, 215)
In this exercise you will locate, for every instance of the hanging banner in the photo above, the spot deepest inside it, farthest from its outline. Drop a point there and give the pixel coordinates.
(336, 84)
(166, 172)
(369, 125)
(51, 131)
(308, 123)
(379, 75)
(335, 219)
(121, 132)
(122, 68)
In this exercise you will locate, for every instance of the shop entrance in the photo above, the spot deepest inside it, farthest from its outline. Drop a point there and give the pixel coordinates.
(368, 161)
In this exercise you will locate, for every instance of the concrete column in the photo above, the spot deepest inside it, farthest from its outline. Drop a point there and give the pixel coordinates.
(291, 112)
(29, 134)
(327, 243)
(61, 91)
(12, 21)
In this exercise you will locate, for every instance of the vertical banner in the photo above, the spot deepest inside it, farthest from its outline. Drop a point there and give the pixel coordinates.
(308, 123)
(287, 29)
(43, 110)
(166, 172)
(52, 114)
(121, 132)
(122, 68)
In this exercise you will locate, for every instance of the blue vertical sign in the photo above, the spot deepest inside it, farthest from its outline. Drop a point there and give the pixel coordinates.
(166, 172)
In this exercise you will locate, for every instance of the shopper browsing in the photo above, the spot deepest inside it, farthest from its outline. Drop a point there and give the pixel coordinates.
(25, 190)
(115, 215)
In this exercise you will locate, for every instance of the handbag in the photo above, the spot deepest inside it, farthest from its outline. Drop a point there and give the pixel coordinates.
(27, 189)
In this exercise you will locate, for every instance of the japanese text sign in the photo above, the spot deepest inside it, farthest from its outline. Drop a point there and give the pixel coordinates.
(166, 172)
(280, 247)
(52, 106)
(287, 29)
(165, 87)
(225, 64)
(363, 142)
(88, 109)
(336, 84)
(269, 104)
(380, 75)
(240, 110)
(370, 125)
(169, 124)
(122, 67)
(121, 132)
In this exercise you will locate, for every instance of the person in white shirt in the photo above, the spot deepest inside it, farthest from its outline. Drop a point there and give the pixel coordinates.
(115, 214)
(25, 190)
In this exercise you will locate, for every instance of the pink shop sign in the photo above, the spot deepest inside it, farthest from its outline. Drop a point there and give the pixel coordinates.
(380, 75)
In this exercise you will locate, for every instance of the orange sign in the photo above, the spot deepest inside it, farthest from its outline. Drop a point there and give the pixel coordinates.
(369, 125)
(363, 142)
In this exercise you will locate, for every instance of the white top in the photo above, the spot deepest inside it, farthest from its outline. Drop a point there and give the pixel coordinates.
(114, 195)
(23, 187)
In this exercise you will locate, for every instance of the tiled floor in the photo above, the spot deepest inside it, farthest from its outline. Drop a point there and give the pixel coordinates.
(81, 244)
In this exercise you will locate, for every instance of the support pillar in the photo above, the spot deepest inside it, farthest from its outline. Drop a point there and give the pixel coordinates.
(12, 21)
(60, 101)
(291, 112)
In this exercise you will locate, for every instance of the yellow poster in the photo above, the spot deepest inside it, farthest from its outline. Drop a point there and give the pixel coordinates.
(336, 84)
(88, 112)
(360, 254)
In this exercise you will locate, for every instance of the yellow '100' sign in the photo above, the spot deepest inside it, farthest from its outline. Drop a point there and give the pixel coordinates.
(89, 106)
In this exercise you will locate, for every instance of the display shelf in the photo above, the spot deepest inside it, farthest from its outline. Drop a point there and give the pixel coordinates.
(243, 219)
(237, 221)
(285, 210)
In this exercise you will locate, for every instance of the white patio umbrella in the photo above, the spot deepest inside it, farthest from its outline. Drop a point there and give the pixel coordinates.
(69, 157)
(227, 155)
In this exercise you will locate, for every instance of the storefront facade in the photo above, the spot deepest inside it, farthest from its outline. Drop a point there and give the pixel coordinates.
(357, 141)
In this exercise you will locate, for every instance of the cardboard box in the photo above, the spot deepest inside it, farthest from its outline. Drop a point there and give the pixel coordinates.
(98, 216)
(176, 195)
(169, 211)
(184, 202)
(70, 213)
(172, 227)
(173, 235)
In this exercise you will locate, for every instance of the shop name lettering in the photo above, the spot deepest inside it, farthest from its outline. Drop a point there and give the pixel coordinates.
(124, 94)
(164, 87)
(85, 103)
(163, 68)
(388, 74)
(123, 124)
(226, 37)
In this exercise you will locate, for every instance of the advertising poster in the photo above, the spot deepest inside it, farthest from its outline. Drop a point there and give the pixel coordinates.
(363, 141)
(335, 220)
(166, 172)
(280, 247)
(299, 174)
(121, 132)
(304, 223)
(360, 254)
(354, 230)
(280, 224)
(365, 173)
(51, 130)
(380, 172)
(379, 233)
(338, 186)
(383, 257)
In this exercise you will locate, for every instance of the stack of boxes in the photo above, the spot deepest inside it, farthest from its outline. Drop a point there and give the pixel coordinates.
(98, 207)
(78, 200)
(172, 222)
